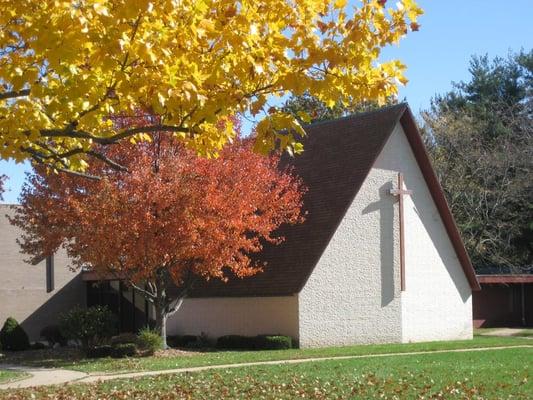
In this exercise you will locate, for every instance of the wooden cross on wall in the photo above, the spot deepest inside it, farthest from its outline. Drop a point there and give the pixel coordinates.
(400, 192)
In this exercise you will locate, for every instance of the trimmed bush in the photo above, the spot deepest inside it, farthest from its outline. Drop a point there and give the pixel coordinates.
(117, 350)
(261, 342)
(149, 340)
(181, 340)
(204, 341)
(37, 346)
(99, 351)
(13, 337)
(52, 335)
(89, 326)
(273, 342)
(235, 342)
(123, 350)
(124, 338)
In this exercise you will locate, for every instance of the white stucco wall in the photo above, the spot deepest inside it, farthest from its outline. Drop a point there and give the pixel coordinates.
(247, 316)
(353, 295)
(436, 304)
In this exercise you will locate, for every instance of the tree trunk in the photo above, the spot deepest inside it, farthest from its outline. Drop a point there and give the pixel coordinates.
(161, 321)
(165, 306)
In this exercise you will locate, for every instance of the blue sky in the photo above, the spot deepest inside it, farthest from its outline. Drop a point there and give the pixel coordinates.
(452, 30)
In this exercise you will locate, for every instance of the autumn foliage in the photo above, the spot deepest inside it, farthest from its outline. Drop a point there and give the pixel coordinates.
(172, 218)
(65, 66)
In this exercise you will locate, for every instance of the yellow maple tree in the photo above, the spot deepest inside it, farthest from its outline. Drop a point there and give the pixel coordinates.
(67, 66)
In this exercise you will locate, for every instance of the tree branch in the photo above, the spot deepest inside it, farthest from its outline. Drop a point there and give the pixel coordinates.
(149, 295)
(14, 94)
(191, 280)
(71, 133)
(58, 157)
(78, 174)
(107, 160)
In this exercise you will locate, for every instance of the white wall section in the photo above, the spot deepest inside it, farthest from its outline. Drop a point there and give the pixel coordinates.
(249, 316)
(436, 304)
(353, 295)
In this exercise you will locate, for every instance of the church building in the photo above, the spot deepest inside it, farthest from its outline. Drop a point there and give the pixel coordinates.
(379, 258)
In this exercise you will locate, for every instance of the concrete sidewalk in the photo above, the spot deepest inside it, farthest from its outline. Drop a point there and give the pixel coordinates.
(506, 332)
(43, 376)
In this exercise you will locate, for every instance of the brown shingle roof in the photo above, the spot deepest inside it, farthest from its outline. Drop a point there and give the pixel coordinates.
(337, 158)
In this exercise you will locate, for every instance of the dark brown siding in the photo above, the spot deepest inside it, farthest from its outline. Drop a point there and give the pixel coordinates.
(500, 305)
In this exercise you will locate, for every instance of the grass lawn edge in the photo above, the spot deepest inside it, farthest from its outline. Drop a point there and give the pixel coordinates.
(12, 376)
(115, 366)
(438, 375)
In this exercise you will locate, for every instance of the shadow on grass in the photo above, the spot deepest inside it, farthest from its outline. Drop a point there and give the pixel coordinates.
(67, 357)
(46, 358)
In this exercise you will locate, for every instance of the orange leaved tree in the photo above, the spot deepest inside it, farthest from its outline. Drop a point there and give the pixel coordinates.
(171, 219)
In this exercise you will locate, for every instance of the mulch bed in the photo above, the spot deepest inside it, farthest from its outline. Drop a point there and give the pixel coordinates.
(54, 357)
(174, 353)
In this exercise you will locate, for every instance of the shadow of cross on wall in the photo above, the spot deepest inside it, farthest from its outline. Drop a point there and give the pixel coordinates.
(385, 207)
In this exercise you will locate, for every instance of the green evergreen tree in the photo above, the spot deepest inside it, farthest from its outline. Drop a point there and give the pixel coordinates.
(13, 337)
(480, 136)
(318, 111)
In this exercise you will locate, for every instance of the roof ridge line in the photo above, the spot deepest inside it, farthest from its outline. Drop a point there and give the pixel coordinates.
(358, 114)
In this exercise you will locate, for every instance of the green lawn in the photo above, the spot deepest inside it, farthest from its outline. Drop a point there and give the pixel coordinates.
(8, 376)
(231, 357)
(473, 375)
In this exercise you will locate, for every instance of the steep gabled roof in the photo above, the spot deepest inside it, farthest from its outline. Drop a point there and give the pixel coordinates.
(338, 156)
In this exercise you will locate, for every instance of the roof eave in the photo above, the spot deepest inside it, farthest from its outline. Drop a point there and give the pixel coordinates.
(505, 278)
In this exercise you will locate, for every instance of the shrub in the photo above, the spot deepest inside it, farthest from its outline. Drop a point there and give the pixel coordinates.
(204, 341)
(52, 335)
(149, 340)
(13, 337)
(89, 326)
(99, 351)
(261, 342)
(123, 338)
(236, 342)
(181, 340)
(37, 346)
(273, 342)
(123, 350)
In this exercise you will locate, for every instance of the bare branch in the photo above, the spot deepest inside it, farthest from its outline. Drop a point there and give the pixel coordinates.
(172, 309)
(42, 158)
(190, 280)
(79, 174)
(107, 160)
(148, 294)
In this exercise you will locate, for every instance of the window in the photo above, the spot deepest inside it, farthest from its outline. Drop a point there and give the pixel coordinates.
(49, 274)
